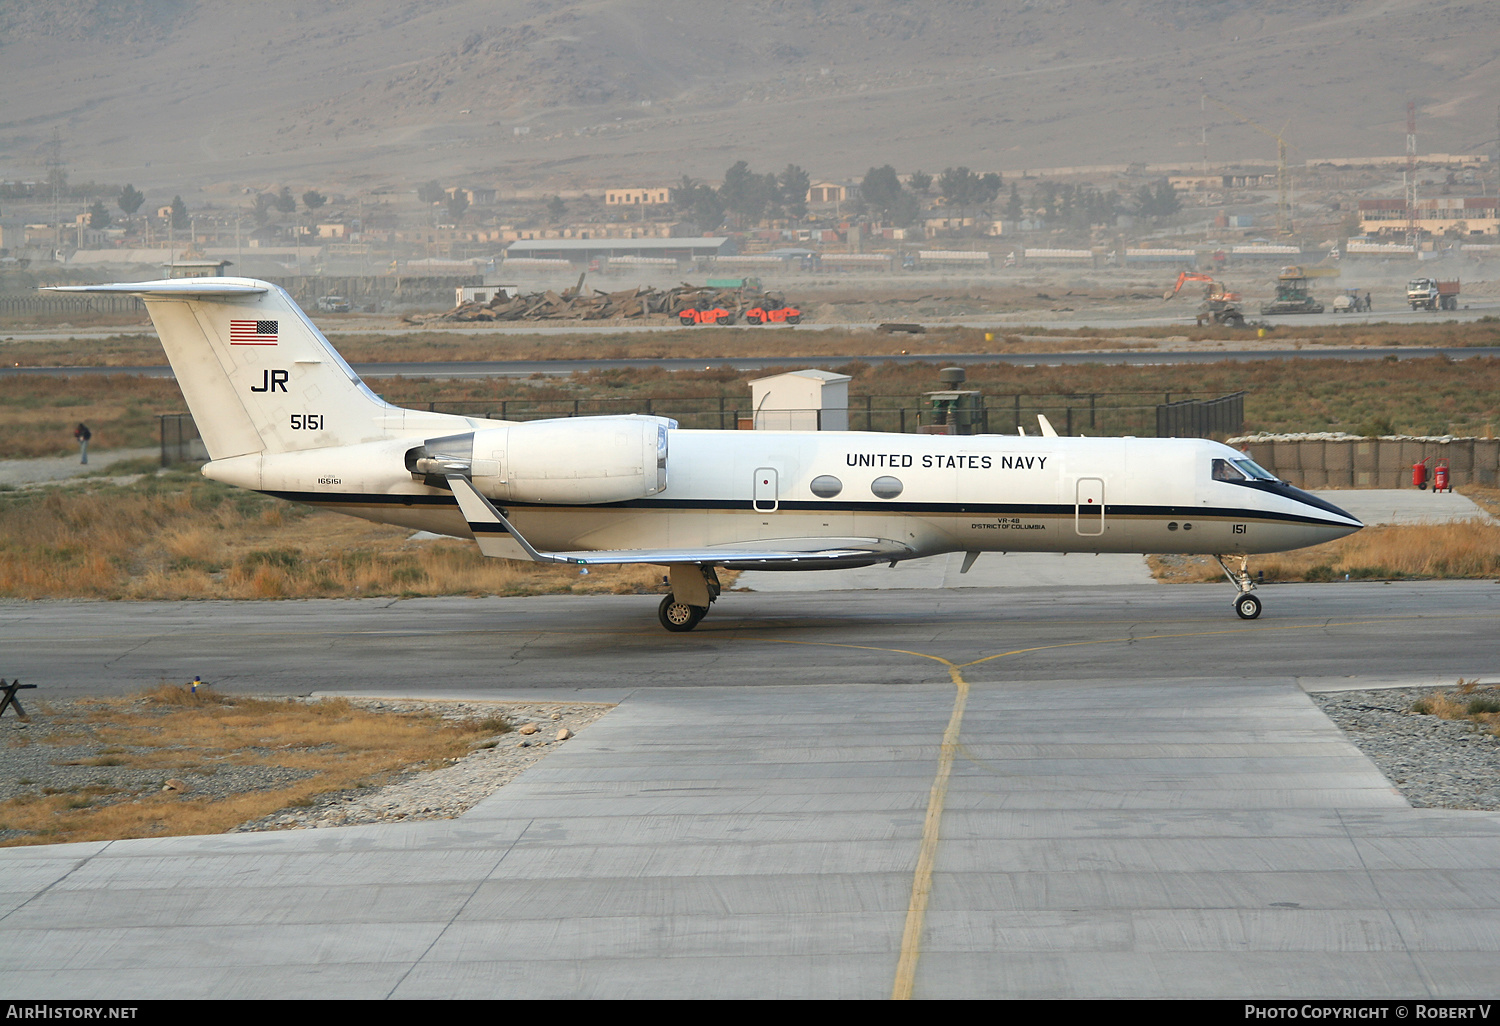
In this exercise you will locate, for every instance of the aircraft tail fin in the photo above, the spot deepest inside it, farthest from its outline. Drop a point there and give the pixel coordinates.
(257, 374)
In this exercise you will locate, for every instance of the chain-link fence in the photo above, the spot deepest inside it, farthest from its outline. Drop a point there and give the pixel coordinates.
(54, 304)
(1098, 414)
(1201, 418)
(180, 441)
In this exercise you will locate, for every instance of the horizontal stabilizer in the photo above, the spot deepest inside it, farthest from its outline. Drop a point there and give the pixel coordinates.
(186, 288)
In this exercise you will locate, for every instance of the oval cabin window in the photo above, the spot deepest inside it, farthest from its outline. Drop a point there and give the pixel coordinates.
(826, 486)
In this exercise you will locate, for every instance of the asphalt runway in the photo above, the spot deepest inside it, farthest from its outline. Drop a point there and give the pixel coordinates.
(609, 645)
(527, 368)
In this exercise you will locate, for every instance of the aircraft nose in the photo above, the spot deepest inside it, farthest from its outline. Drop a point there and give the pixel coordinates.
(1339, 520)
(1336, 517)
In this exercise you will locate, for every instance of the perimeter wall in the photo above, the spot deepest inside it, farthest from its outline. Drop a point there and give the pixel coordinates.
(1376, 462)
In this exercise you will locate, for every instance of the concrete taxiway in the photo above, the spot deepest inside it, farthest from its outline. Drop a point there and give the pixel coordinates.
(1106, 792)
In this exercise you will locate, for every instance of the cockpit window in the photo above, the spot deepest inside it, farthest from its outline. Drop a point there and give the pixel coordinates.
(1225, 471)
(1242, 470)
(1254, 470)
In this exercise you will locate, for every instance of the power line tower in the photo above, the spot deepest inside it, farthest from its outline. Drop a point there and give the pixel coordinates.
(56, 176)
(1411, 174)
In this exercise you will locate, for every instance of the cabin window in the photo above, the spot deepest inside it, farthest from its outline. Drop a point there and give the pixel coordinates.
(886, 487)
(826, 486)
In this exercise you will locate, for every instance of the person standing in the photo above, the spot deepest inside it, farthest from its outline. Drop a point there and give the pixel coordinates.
(83, 434)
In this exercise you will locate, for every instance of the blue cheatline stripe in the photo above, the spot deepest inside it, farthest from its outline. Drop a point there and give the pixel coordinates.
(972, 509)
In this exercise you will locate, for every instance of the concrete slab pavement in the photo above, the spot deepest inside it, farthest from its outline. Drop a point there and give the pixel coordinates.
(1404, 505)
(1194, 838)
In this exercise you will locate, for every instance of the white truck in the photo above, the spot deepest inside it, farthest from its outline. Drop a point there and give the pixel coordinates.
(1431, 294)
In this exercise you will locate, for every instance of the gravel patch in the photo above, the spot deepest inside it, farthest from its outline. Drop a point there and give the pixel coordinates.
(50, 755)
(454, 789)
(1434, 763)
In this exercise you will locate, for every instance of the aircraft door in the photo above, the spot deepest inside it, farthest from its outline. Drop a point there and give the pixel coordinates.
(1088, 507)
(765, 491)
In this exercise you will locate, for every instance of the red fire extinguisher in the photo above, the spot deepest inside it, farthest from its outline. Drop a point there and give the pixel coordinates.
(1419, 474)
(1440, 477)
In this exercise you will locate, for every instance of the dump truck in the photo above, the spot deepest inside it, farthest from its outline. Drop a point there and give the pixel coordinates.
(1292, 295)
(1431, 294)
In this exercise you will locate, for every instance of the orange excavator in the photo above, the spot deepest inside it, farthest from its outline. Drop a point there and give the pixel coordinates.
(1219, 306)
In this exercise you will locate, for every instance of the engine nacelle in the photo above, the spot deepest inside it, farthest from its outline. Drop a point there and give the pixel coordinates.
(573, 461)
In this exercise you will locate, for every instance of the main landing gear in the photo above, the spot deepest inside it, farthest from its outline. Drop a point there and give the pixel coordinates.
(694, 589)
(1246, 605)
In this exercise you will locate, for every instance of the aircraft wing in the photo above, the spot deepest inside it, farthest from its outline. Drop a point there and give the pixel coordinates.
(497, 537)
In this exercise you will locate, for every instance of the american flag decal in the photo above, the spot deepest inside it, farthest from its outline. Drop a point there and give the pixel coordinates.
(253, 333)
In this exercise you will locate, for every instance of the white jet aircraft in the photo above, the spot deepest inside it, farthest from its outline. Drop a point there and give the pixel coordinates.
(280, 412)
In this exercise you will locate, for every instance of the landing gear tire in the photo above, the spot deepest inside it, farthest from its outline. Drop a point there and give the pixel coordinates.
(679, 616)
(1247, 607)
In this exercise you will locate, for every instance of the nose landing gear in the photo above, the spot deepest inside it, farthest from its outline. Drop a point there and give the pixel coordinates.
(1246, 605)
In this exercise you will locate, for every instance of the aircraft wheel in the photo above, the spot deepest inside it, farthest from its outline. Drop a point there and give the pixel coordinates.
(679, 616)
(1247, 607)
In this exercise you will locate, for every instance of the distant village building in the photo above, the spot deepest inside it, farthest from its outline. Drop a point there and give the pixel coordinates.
(1211, 183)
(480, 197)
(1471, 215)
(652, 197)
(832, 192)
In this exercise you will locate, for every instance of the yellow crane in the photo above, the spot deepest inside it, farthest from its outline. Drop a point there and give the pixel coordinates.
(1283, 203)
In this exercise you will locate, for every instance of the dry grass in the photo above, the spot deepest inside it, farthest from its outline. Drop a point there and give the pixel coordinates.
(175, 733)
(1487, 499)
(1467, 701)
(179, 536)
(1430, 396)
(1466, 549)
(38, 412)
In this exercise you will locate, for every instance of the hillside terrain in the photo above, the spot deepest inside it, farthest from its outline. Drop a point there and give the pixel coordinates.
(573, 93)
